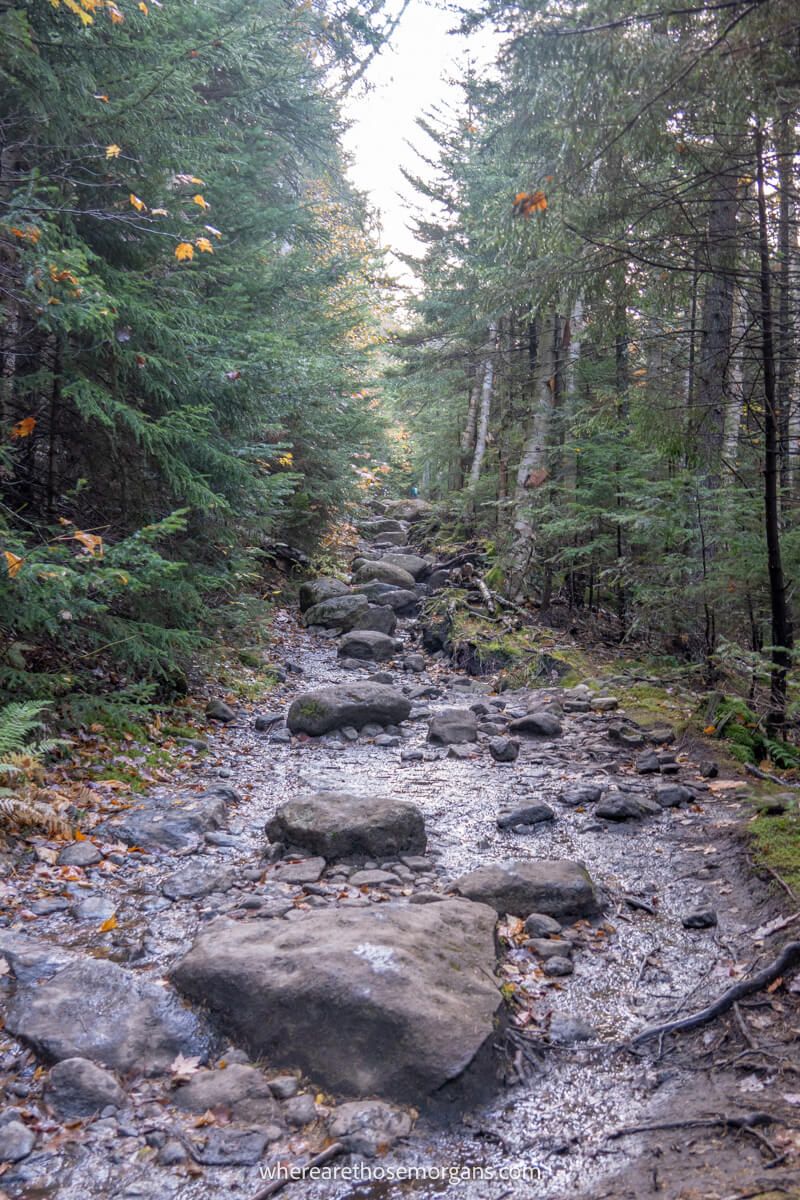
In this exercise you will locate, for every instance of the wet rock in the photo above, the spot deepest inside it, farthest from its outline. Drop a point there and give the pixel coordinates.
(94, 908)
(77, 1087)
(385, 573)
(368, 1127)
(48, 905)
(300, 1110)
(377, 618)
(342, 825)
(661, 736)
(549, 949)
(671, 795)
(307, 871)
(584, 793)
(373, 878)
(231, 1147)
(709, 769)
(554, 887)
(383, 525)
(537, 724)
(648, 764)
(16, 1141)
(217, 710)
(604, 703)
(266, 721)
(97, 1010)
(566, 1031)
(539, 925)
(452, 726)
(504, 749)
(526, 814)
(623, 806)
(558, 966)
(367, 645)
(461, 752)
(355, 704)
(241, 1089)
(413, 662)
(631, 739)
(401, 600)
(174, 823)
(702, 917)
(337, 992)
(79, 854)
(32, 960)
(315, 591)
(200, 879)
(340, 612)
(172, 1153)
(416, 567)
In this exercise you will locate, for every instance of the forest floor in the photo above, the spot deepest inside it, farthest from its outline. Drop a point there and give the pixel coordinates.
(684, 916)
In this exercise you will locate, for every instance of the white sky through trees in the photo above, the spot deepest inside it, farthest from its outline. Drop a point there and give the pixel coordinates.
(410, 77)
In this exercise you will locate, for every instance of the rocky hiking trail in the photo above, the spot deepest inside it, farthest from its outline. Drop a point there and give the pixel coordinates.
(404, 919)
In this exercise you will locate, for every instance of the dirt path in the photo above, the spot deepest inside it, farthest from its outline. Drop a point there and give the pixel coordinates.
(568, 1085)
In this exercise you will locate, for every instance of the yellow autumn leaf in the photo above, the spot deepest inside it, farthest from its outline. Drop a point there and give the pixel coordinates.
(286, 460)
(75, 8)
(200, 201)
(108, 925)
(138, 204)
(113, 151)
(143, 7)
(90, 542)
(116, 16)
(13, 563)
(184, 250)
(204, 244)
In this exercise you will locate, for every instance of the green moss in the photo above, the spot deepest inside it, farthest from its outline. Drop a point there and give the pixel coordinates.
(311, 708)
(776, 843)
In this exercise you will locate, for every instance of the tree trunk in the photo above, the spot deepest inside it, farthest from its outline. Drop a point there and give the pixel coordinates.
(712, 366)
(487, 386)
(533, 467)
(781, 620)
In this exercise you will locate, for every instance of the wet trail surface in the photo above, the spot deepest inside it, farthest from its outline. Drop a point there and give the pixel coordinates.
(560, 1098)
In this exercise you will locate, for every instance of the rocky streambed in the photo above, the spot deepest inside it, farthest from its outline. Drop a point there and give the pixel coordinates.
(402, 915)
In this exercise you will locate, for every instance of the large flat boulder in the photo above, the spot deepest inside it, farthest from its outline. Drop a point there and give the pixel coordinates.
(314, 591)
(538, 724)
(341, 825)
(96, 1010)
(409, 510)
(356, 704)
(338, 612)
(177, 823)
(395, 1000)
(384, 572)
(379, 525)
(415, 565)
(367, 644)
(399, 599)
(555, 887)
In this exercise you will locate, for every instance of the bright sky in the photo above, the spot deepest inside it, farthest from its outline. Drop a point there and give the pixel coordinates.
(408, 78)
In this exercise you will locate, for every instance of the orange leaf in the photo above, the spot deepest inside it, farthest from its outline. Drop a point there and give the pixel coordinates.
(776, 983)
(90, 542)
(13, 563)
(108, 925)
(138, 204)
(204, 244)
(184, 250)
(23, 428)
(113, 151)
(200, 201)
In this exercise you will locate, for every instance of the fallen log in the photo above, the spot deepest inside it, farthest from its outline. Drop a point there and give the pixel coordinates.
(295, 1173)
(788, 958)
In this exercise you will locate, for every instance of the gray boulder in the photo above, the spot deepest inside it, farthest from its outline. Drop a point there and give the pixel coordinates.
(554, 887)
(385, 573)
(170, 823)
(340, 612)
(452, 726)
(356, 704)
(314, 591)
(79, 854)
(537, 724)
(417, 567)
(218, 710)
(241, 1089)
(504, 749)
(199, 879)
(381, 525)
(77, 1087)
(400, 599)
(525, 814)
(623, 806)
(97, 1010)
(366, 645)
(394, 1000)
(671, 795)
(340, 825)
(16, 1141)
(379, 618)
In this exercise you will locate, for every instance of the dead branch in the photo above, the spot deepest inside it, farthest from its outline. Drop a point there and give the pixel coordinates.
(759, 774)
(788, 958)
(296, 1172)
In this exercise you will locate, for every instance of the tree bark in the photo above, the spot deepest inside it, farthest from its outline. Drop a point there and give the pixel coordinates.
(781, 620)
(487, 386)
